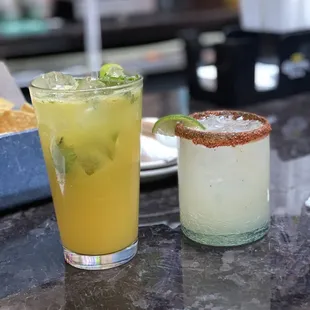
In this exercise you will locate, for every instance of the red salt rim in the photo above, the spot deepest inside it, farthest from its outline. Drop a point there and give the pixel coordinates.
(216, 139)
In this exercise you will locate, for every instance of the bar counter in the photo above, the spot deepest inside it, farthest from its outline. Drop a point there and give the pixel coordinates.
(169, 271)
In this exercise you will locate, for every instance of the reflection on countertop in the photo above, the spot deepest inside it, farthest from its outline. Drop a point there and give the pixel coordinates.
(170, 272)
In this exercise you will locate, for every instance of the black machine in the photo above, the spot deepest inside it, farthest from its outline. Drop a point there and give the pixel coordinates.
(236, 62)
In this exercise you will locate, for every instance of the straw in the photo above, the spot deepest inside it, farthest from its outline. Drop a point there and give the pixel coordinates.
(92, 34)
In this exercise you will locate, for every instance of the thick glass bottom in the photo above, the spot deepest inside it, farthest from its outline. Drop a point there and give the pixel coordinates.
(227, 240)
(100, 262)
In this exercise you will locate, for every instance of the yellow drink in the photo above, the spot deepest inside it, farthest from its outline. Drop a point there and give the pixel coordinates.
(91, 145)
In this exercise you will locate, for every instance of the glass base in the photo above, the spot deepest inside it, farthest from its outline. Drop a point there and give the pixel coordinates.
(101, 262)
(227, 240)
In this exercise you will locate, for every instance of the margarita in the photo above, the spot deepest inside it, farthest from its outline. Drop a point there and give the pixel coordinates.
(224, 177)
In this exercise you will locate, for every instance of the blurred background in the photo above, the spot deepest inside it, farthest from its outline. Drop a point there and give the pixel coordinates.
(37, 36)
(229, 52)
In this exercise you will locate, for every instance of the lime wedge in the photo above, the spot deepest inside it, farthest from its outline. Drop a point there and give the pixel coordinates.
(166, 125)
(113, 75)
(112, 70)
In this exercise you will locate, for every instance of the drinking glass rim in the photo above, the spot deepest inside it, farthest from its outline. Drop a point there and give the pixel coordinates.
(74, 91)
(215, 139)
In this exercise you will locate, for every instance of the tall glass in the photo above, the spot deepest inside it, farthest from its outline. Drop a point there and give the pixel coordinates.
(91, 145)
(224, 180)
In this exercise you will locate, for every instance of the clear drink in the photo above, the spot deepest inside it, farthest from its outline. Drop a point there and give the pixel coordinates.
(90, 136)
(224, 178)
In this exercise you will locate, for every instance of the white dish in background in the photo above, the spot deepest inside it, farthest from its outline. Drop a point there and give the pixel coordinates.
(171, 142)
(155, 155)
(157, 174)
(156, 151)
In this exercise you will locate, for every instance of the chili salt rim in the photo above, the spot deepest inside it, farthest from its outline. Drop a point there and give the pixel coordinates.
(216, 139)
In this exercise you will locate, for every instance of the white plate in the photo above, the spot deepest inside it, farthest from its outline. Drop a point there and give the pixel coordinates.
(156, 151)
(157, 174)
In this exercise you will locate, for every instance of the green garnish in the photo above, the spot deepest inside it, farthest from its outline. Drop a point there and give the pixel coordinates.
(166, 125)
(113, 70)
(114, 75)
(63, 155)
(130, 96)
(91, 157)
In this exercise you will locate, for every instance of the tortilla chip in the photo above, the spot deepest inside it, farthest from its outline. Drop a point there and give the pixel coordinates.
(26, 107)
(5, 104)
(16, 121)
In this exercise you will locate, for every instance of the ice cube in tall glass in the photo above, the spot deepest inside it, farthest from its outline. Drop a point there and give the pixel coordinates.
(224, 178)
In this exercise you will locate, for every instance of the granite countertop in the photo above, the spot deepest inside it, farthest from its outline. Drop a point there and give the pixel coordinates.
(169, 271)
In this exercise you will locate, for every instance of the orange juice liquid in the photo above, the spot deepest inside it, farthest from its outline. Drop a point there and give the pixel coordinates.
(91, 148)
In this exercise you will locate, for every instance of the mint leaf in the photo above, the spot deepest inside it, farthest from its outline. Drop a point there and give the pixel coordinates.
(91, 157)
(133, 78)
(63, 155)
(113, 81)
(130, 96)
(110, 80)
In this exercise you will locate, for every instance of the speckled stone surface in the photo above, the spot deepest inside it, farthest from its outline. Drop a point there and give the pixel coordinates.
(169, 271)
